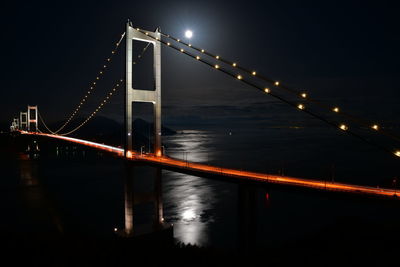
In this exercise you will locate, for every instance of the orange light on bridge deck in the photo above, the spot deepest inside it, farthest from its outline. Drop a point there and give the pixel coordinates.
(300, 106)
(129, 154)
(267, 90)
(239, 77)
(276, 83)
(375, 127)
(234, 64)
(158, 154)
(397, 153)
(197, 57)
(335, 109)
(253, 73)
(304, 95)
(216, 66)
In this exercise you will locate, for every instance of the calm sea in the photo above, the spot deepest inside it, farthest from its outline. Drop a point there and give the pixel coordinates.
(68, 189)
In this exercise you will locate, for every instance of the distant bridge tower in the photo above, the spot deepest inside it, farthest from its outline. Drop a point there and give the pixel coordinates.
(23, 121)
(138, 95)
(32, 118)
(16, 123)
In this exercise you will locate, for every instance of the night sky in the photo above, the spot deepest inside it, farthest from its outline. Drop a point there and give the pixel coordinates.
(340, 52)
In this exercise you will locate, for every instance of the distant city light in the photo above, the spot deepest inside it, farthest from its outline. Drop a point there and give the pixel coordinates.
(188, 34)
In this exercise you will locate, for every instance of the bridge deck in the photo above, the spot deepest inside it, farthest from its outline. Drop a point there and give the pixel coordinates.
(233, 173)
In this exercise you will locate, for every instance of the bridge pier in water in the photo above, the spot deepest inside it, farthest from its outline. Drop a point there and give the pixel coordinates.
(247, 217)
(156, 228)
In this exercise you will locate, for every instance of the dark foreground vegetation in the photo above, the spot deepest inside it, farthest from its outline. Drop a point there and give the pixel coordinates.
(348, 243)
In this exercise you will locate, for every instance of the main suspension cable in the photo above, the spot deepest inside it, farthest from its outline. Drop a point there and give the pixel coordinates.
(92, 85)
(304, 96)
(106, 99)
(99, 107)
(268, 91)
(45, 125)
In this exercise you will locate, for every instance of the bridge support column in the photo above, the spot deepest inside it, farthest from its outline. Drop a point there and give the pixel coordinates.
(135, 195)
(129, 199)
(32, 118)
(247, 222)
(139, 95)
(158, 203)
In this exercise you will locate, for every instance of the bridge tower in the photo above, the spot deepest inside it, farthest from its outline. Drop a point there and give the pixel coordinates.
(32, 118)
(13, 126)
(16, 123)
(23, 121)
(139, 95)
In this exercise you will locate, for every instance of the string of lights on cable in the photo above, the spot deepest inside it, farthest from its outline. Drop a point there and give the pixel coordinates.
(92, 85)
(240, 76)
(44, 123)
(108, 96)
(98, 108)
(302, 95)
(134, 62)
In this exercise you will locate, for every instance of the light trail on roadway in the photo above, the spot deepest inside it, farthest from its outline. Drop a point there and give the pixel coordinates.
(232, 173)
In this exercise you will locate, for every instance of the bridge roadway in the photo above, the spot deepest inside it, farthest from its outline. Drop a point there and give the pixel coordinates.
(232, 173)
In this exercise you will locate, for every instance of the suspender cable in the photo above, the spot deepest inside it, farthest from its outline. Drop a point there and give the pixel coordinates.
(108, 95)
(92, 86)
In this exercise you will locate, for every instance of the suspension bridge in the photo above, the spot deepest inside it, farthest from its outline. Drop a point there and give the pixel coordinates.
(28, 122)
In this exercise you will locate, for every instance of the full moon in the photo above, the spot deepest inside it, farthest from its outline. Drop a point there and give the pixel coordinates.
(189, 34)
